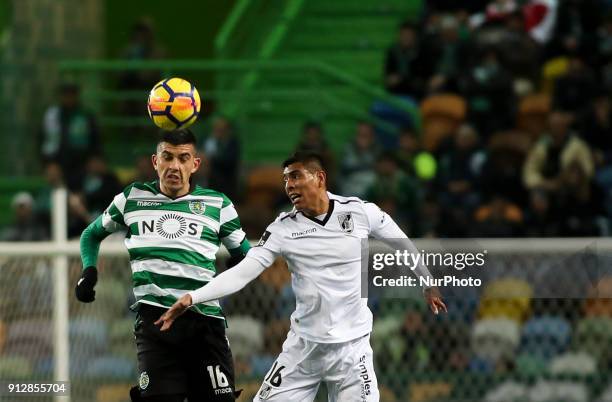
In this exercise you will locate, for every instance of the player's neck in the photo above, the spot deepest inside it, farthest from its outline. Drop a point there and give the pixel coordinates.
(174, 194)
(320, 207)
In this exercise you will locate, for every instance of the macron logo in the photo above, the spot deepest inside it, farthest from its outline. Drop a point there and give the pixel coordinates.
(303, 233)
(148, 203)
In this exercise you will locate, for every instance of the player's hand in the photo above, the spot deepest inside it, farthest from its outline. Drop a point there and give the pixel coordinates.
(434, 300)
(84, 289)
(174, 312)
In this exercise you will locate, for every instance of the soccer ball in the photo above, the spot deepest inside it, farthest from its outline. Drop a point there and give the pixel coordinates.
(173, 103)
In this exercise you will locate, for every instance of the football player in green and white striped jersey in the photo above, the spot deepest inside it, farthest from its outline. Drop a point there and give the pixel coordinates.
(174, 229)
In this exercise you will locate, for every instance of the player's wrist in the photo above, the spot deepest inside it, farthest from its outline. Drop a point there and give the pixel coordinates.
(90, 276)
(84, 289)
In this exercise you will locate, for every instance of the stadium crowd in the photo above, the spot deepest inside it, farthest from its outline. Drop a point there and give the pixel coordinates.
(515, 141)
(515, 137)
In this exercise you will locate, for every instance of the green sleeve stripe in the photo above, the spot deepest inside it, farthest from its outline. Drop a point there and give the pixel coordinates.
(165, 281)
(210, 236)
(90, 242)
(226, 201)
(228, 227)
(172, 255)
(168, 301)
(116, 215)
(126, 191)
(242, 249)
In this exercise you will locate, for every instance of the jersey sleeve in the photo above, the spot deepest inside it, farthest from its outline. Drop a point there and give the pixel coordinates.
(269, 246)
(110, 221)
(112, 217)
(383, 228)
(230, 232)
(380, 223)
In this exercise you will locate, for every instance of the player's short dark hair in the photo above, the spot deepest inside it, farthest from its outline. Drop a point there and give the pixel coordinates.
(177, 137)
(311, 160)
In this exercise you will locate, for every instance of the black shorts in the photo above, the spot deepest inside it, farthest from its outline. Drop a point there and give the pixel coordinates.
(191, 358)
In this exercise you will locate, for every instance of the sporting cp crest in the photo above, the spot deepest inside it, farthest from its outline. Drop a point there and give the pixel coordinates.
(197, 207)
(143, 382)
(346, 222)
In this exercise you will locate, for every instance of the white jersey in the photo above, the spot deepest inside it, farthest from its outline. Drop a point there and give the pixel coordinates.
(324, 257)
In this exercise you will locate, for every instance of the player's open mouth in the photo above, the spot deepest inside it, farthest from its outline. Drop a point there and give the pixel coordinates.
(172, 177)
(294, 197)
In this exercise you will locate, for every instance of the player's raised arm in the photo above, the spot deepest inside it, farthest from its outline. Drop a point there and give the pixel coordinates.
(228, 282)
(110, 221)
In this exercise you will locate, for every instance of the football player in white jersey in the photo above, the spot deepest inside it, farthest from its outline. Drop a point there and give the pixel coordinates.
(321, 240)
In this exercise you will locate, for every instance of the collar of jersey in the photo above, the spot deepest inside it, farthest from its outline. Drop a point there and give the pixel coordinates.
(330, 209)
(192, 187)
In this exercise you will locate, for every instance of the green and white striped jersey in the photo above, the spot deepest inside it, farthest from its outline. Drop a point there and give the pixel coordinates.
(172, 242)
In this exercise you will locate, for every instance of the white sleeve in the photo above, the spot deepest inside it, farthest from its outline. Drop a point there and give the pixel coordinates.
(383, 228)
(268, 247)
(229, 281)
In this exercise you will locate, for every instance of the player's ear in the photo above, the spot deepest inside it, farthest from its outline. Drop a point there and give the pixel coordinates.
(154, 161)
(197, 161)
(322, 178)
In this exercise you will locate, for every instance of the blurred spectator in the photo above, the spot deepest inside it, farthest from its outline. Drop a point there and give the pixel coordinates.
(554, 153)
(396, 193)
(142, 46)
(144, 169)
(100, 185)
(54, 179)
(575, 28)
(222, 150)
(359, 159)
(313, 140)
(571, 89)
(414, 331)
(502, 171)
(460, 166)
(69, 135)
(497, 218)
(412, 159)
(596, 129)
(459, 176)
(581, 203)
(604, 64)
(447, 55)
(541, 219)
(408, 147)
(500, 10)
(405, 70)
(490, 96)
(25, 226)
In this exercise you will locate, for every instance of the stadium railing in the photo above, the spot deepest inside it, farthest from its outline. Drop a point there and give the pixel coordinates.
(329, 92)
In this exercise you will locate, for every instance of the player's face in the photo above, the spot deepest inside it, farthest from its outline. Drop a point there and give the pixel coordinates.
(302, 186)
(174, 165)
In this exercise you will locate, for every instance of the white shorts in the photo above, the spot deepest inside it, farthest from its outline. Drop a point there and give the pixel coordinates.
(346, 368)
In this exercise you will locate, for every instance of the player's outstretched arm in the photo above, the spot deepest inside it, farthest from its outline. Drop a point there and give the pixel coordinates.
(90, 246)
(223, 285)
(384, 228)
